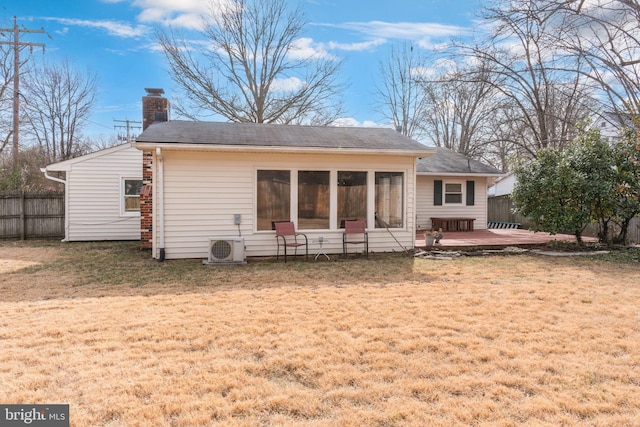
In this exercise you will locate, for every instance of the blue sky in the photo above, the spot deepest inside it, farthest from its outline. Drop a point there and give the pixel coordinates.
(115, 39)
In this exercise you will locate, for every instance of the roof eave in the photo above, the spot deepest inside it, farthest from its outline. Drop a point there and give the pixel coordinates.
(141, 145)
(480, 175)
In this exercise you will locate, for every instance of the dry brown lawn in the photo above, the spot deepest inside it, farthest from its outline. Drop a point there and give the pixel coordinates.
(390, 341)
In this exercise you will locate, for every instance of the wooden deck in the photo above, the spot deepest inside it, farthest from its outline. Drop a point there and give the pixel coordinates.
(495, 238)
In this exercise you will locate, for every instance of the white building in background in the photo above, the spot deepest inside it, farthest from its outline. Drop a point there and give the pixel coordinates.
(611, 124)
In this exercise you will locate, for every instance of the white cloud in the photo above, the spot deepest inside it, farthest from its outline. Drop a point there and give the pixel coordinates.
(287, 85)
(428, 43)
(305, 48)
(402, 30)
(351, 122)
(183, 14)
(356, 46)
(114, 28)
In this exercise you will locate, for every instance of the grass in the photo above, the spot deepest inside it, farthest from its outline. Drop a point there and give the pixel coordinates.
(390, 341)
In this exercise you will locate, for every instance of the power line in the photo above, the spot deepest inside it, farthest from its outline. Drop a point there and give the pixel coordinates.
(127, 126)
(17, 44)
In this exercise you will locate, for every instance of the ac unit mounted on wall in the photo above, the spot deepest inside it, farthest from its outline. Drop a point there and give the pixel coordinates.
(226, 250)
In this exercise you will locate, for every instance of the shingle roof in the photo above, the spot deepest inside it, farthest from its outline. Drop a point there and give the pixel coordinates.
(269, 135)
(446, 161)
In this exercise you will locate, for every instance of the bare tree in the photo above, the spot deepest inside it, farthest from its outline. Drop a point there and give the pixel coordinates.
(401, 98)
(605, 35)
(462, 108)
(248, 67)
(550, 98)
(58, 99)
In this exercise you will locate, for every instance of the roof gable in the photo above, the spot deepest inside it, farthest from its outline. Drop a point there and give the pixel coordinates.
(66, 164)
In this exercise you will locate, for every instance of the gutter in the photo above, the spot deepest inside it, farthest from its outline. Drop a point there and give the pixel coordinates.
(66, 201)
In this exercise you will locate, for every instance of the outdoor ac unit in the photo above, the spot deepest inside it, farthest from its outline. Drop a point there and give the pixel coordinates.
(226, 250)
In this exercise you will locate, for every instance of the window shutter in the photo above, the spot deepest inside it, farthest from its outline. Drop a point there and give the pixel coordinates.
(437, 192)
(471, 190)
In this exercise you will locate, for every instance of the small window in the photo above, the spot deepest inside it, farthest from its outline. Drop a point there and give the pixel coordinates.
(453, 193)
(131, 195)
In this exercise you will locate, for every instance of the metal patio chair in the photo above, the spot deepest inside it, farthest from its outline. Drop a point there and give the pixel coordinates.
(355, 233)
(287, 237)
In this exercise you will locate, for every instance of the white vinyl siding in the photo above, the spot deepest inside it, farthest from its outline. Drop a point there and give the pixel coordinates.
(203, 191)
(94, 192)
(426, 209)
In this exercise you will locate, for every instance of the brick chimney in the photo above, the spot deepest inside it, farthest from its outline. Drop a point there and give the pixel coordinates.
(155, 108)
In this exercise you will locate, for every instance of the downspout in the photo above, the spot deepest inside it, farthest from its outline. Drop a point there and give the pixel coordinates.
(160, 204)
(66, 201)
(414, 173)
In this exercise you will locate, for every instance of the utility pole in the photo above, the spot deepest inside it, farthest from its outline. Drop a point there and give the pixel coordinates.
(127, 126)
(17, 44)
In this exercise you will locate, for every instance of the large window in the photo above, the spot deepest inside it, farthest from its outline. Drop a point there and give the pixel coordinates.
(273, 198)
(313, 200)
(131, 196)
(352, 196)
(389, 199)
(324, 200)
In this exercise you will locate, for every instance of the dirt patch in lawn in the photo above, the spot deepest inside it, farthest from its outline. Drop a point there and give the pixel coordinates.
(499, 340)
(14, 257)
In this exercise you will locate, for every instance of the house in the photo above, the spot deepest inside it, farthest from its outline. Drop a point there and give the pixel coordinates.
(503, 185)
(207, 180)
(182, 183)
(102, 194)
(610, 124)
(451, 185)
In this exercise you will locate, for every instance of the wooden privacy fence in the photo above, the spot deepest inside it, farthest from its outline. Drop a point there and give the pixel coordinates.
(500, 209)
(31, 215)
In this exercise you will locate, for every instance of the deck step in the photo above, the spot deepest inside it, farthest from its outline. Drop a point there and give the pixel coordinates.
(498, 224)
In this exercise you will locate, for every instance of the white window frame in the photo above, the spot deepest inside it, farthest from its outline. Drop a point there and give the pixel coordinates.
(444, 193)
(333, 194)
(123, 180)
(404, 195)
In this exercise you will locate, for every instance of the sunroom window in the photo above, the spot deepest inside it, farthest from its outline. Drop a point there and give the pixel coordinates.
(389, 199)
(352, 196)
(273, 197)
(313, 200)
